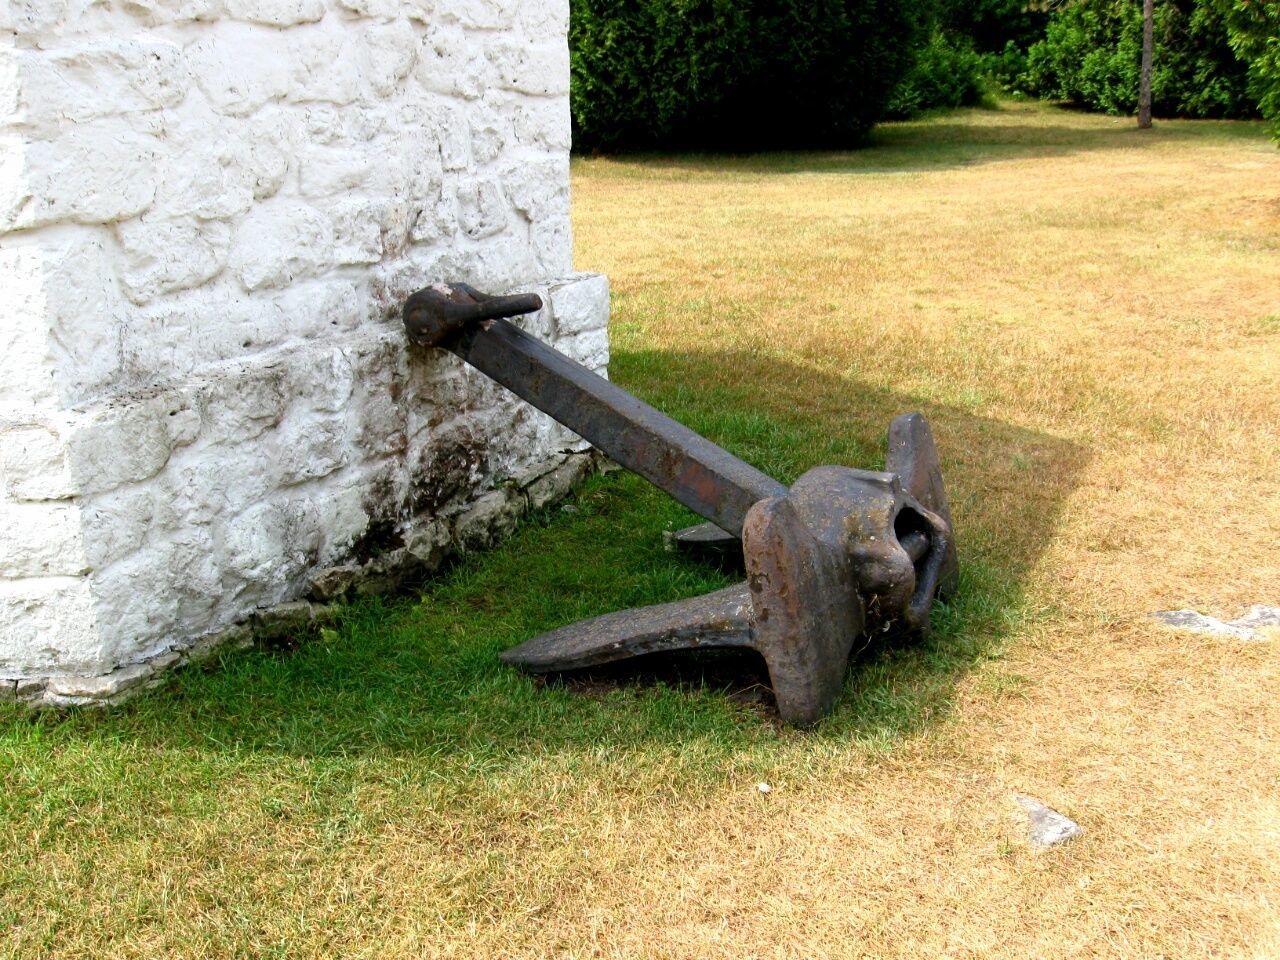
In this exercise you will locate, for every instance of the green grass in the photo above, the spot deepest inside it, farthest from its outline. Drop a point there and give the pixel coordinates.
(402, 704)
(420, 676)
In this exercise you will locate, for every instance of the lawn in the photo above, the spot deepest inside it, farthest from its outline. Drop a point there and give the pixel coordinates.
(1089, 316)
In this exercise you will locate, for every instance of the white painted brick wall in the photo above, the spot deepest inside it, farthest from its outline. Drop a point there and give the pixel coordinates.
(210, 213)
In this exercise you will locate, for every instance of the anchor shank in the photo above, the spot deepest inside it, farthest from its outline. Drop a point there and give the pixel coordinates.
(707, 479)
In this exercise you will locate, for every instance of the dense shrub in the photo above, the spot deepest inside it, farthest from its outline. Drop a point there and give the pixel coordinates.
(947, 73)
(736, 74)
(1254, 29)
(1092, 51)
(1007, 68)
(973, 45)
(992, 26)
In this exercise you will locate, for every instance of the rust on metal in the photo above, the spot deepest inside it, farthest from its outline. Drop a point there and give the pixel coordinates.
(843, 552)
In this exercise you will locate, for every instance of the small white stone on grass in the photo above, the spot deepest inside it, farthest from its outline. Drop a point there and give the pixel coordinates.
(1047, 826)
(1252, 626)
(764, 788)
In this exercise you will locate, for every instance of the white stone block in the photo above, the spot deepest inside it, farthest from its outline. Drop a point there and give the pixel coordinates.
(544, 21)
(590, 348)
(277, 13)
(40, 540)
(396, 218)
(243, 404)
(482, 209)
(550, 242)
(97, 172)
(214, 484)
(323, 381)
(115, 524)
(452, 63)
(326, 171)
(271, 543)
(279, 244)
(26, 356)
(324, 308)
(65, 304)
(208, 186)
(33, 16)
(225, 163)
(33, 465)
(10, 84)
(255, 543)
(540, 69)
(263, 158)
(486, 14)
(162, 256)
(380, 371)
(103, 78)
(310, 447)
(419, 11)
(239, 68)
(325, 123)
(490, 133)
(382, 9)
(174, 336)
(325, 66)
(544, 124)
(342, 519)
(158, 12)
(141, 600)
(183, 426)
(580, 303)
(390, 53)
(505, 261)
(539, 190)
(447, 125)
(49, 627)
(119, 445)
(435, 212)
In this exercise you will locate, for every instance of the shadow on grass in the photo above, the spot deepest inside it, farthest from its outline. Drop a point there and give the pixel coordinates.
(934, 143)
(419, 676)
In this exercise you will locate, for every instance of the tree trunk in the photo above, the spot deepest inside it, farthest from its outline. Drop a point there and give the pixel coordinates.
(1144, 82)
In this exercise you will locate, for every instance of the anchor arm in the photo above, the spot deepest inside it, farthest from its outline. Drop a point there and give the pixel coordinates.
(706, 478)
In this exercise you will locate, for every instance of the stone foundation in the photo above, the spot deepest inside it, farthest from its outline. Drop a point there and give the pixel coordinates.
(464, 527)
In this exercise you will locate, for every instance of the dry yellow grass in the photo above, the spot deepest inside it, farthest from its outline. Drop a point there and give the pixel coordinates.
(1115, 293)
(1091, 319)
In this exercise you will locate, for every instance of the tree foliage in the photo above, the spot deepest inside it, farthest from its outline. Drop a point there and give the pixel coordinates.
(1092, 51)
(736, 74)
(974, 44)
(1253, 27)
(947, 73)
(762, 74)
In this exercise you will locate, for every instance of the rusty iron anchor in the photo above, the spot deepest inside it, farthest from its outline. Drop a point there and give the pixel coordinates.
(841, 554)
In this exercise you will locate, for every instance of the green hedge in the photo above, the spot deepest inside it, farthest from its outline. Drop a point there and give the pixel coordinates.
(736, 74)
(1092, 51)
(1254, 29)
